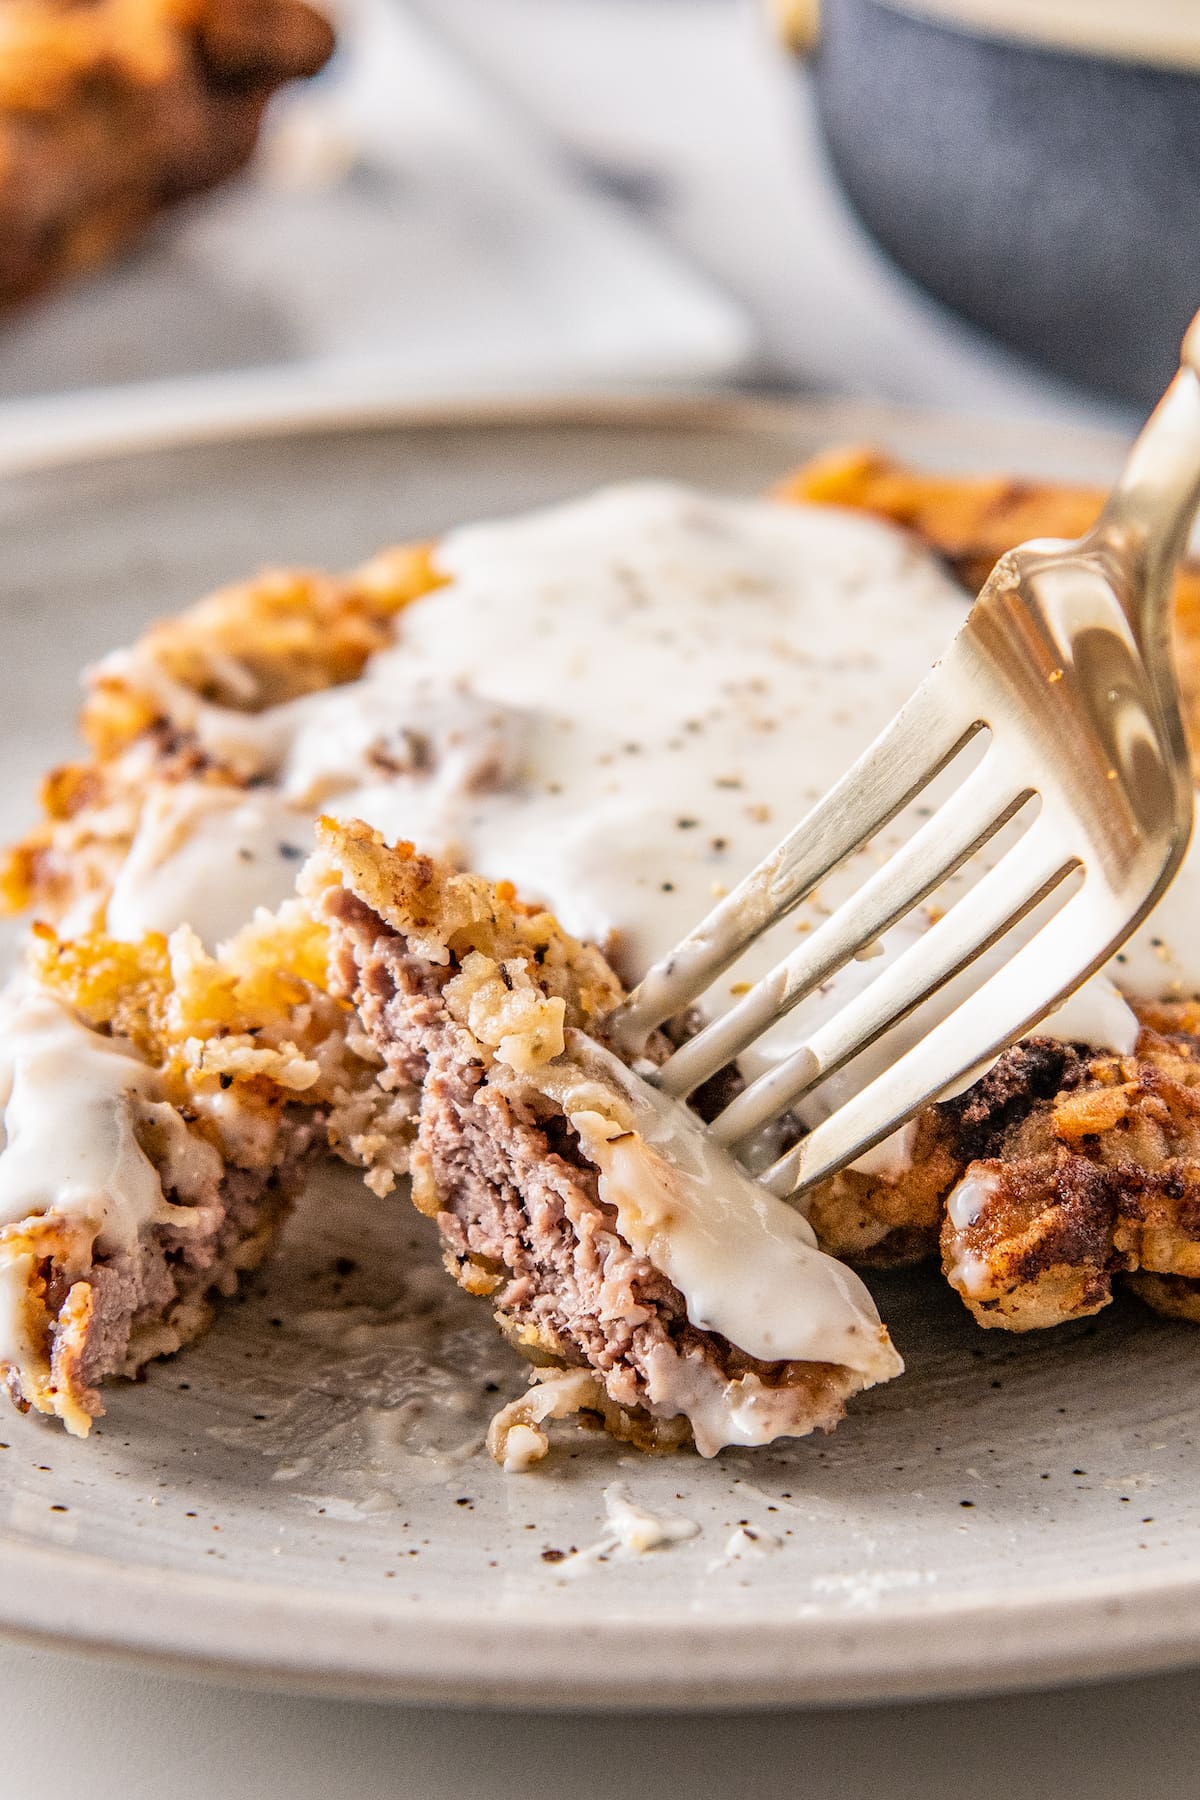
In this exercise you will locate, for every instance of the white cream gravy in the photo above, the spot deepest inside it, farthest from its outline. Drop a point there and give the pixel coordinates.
(73, 1104)
(747, 1264)
(620, 704)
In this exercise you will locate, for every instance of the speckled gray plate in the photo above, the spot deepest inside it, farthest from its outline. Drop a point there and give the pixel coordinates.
(301, 1498)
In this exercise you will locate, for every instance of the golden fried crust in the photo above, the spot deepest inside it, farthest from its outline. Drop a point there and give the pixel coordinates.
(1094, 1156)
(501, 989)
(283, 634)
(250, 1019)
(441, 913)
(260, 1063)
(1084, 1169)
(887, 1223)
(1057, 1232)
(1172, 1295)
(111, 109)
(971, 522)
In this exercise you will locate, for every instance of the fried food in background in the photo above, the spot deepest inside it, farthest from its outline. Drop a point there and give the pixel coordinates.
(110, 110)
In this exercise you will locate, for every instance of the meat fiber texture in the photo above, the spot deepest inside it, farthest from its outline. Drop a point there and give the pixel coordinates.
(470, 999)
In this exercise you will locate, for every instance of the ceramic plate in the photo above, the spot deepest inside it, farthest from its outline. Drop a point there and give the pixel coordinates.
(303, 1498)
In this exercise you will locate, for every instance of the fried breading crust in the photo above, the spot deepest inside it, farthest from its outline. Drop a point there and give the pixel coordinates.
(1091, 1171)
(1053, 1178)
(483, 1004)
(286, 634)
(972, 521)
(283, 634)
(261, 1065)
(112, 109)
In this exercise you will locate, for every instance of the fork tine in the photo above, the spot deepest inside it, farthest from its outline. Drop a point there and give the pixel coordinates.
(960, 1048)
(925, 735)
(971, 816)
(1022, 877)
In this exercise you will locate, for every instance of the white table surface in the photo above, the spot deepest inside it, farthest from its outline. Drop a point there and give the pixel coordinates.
(113, 1735)
(681, 104)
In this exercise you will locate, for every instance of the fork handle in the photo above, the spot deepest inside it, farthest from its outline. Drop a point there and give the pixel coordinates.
(1146, 521)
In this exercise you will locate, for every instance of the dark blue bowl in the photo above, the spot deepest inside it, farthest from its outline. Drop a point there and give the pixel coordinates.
(1052, 197)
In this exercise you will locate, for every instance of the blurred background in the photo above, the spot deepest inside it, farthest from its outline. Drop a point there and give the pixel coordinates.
(985, 205)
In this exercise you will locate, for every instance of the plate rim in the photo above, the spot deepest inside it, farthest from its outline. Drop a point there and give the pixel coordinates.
(180, 1619)
(258, 409)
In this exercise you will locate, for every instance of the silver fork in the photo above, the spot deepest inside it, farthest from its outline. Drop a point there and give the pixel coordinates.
(1065, 662)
